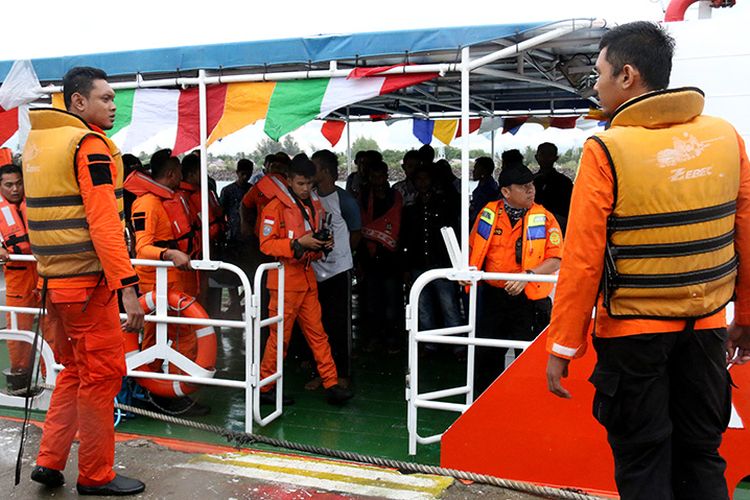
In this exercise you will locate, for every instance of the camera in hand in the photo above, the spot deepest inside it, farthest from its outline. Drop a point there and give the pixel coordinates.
(324, 233)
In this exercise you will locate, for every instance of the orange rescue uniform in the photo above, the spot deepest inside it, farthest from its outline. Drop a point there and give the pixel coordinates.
(492, 244)
(85, 320)
(581, 272)
(20, 282)
(282, 222)
(152, 225)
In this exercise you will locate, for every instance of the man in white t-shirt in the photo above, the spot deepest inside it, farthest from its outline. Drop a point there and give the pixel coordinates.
(333, 272)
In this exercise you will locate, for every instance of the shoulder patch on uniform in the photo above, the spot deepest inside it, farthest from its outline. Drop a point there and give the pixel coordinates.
(537, 220)
(100, 173)
(487, 215)
(267, 228)
(554, 236)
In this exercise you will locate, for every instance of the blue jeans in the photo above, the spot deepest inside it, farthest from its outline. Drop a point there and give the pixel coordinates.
(439, 299)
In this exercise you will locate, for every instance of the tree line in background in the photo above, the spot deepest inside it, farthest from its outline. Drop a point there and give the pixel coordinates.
(221, 167)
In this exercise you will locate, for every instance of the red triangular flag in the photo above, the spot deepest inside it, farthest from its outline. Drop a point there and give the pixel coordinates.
(563, 122)
(332, 130)
(8, 124)
(513, 123)
(474, 124)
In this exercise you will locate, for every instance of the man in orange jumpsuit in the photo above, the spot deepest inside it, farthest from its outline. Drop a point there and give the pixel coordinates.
(163, 231)
(290, 224)
(76, 235)
(20, 277)
(512, 235)
(658, 242)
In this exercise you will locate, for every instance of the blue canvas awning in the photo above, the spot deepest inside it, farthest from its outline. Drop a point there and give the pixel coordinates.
(550, 76)
(317, 49)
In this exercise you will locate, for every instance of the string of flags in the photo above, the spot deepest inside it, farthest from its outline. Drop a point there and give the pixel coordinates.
(447, 130)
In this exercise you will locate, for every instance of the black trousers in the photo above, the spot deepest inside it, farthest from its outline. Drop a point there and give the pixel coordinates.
(335, 296)
(508, 317)
(665, 401)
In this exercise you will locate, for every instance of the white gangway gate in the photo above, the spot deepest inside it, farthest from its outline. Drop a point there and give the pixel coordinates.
(249, 327)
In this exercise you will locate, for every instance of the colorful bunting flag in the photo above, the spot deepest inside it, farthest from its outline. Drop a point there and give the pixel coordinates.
(445, 130)
(8, 124)
(474, 124)
(295, 103)
(563, 122)
(490, 123)
(245, 104)
(188, 116)
(423, 129)
(332, 130)
(153, 111)
(513, 123)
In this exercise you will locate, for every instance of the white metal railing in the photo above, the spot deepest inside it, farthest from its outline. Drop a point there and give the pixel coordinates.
(431, 400)
(278, 320)
(161, 350)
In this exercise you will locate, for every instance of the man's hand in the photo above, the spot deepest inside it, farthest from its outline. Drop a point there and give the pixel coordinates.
(308, 242)
(133, 309)
(4, 255)
(514, 287)
(738, 344)
(181, 260)
(557, 369)
(328, 244)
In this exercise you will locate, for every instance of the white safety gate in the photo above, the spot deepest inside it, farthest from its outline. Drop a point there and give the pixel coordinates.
(161, 350)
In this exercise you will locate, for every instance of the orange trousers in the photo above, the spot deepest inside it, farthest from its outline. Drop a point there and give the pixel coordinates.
(89, 341)
(20, 352)
(305, 308)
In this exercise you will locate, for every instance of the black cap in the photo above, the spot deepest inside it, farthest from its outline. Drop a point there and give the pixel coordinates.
(516, 174)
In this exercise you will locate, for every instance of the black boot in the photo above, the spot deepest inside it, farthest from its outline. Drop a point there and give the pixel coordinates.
(119, 486)
(50, 478)
(336, 395)
(17, 381)
(269, 398)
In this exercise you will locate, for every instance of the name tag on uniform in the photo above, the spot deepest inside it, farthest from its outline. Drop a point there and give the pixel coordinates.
(537, 227)
(484, 226)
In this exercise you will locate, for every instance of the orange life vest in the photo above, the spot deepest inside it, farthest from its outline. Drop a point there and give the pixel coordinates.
(384, 229)
(176, 207)
(6, 156)
(13, 227)
(192, 196)
(670, 238)
(534, 240)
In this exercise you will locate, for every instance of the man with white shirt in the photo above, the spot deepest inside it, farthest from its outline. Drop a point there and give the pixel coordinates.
(333, 272)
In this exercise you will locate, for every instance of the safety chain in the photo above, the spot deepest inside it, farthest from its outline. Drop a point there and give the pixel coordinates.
(240, 439)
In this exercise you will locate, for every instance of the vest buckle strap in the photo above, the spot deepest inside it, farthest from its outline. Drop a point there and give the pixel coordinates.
(682, 218)
(677, 279)
(51, 225)
(70, 248)
(672, 249)
(53, 201)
